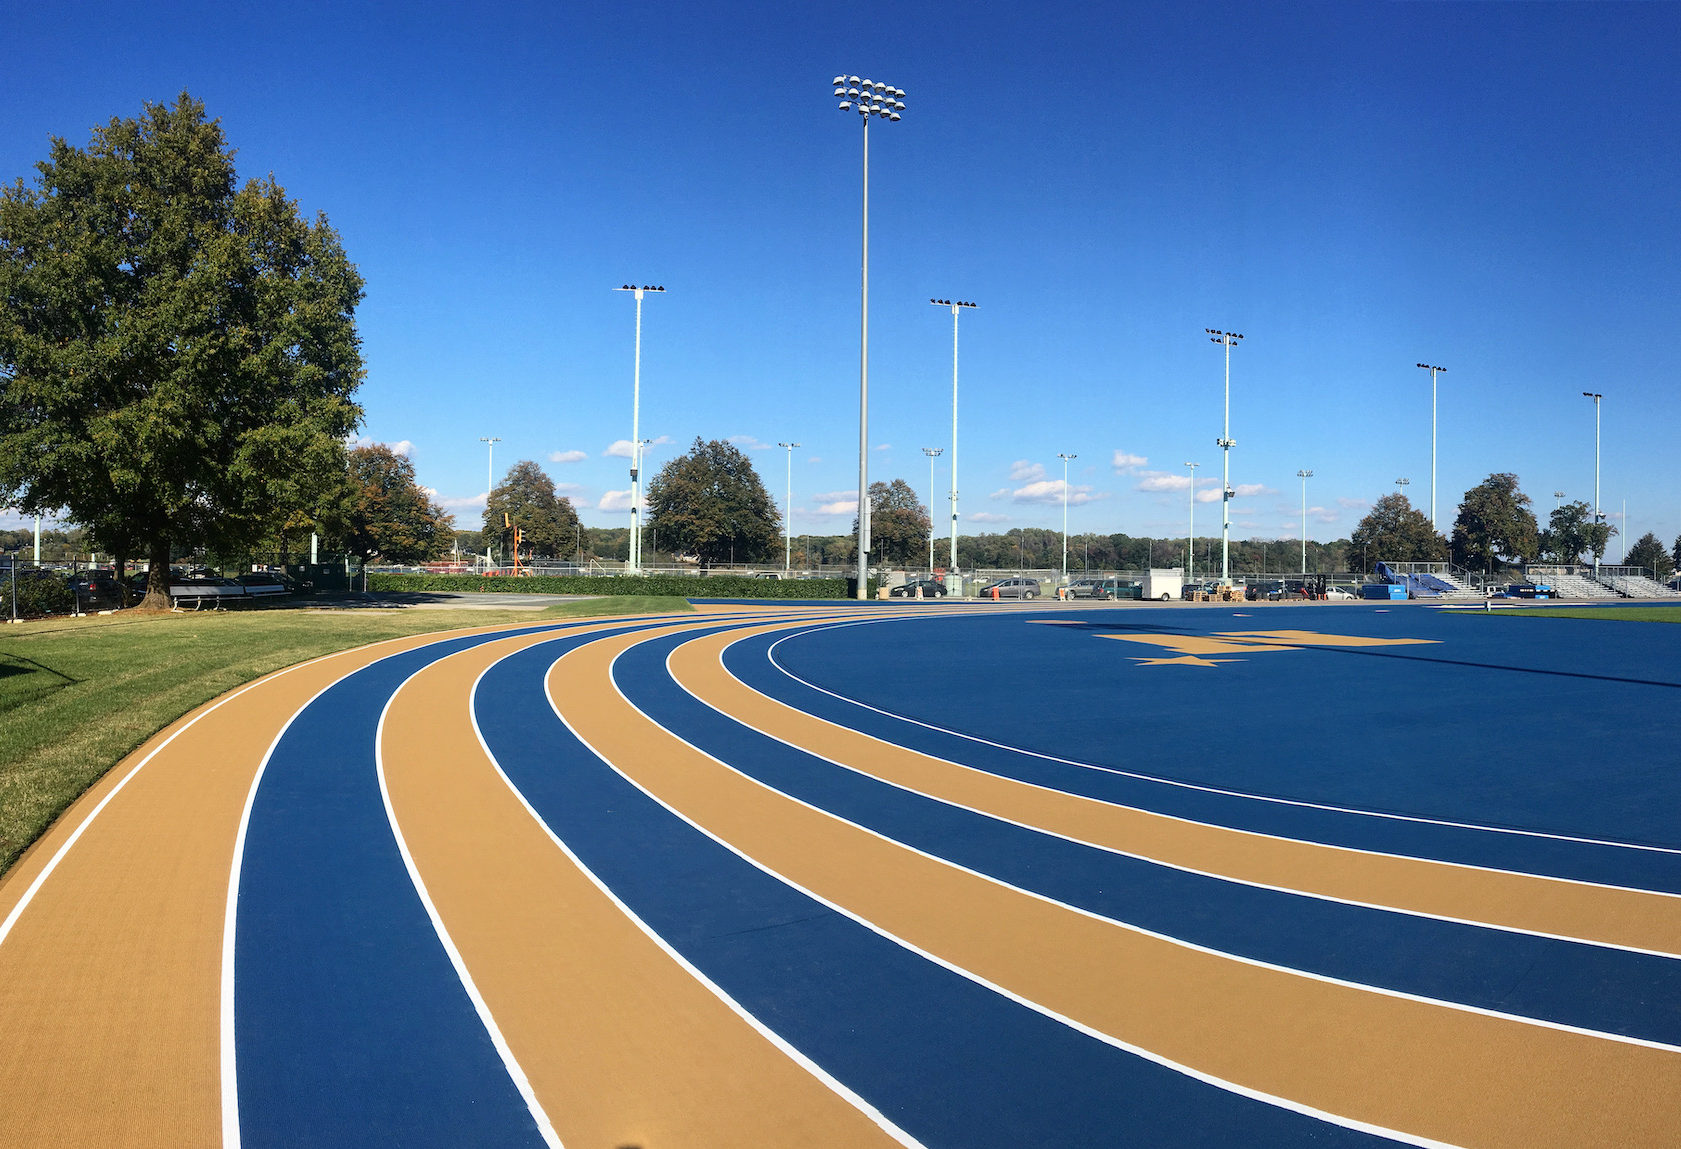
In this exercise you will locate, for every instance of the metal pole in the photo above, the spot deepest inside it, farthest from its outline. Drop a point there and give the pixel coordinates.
(864, 390)
(1065, 459)
(490, 485)
(634, 550)
(1305, 476)
(1191, 534)
(1596, 397)
(1226, 339)
(37, 540)
(788, 513)
(953, 559)
(932, 453)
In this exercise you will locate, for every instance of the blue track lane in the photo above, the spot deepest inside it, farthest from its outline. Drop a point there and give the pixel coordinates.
(1613, 991)
(951, 1062)
(1118, 716)
(351, 1026)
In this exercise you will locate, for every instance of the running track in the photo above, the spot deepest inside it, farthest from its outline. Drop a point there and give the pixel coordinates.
(954, 876)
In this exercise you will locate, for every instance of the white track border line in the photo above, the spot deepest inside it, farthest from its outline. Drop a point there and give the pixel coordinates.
(823, 1076)
(1081, 1027)
(1380, 906)
(1152, 778)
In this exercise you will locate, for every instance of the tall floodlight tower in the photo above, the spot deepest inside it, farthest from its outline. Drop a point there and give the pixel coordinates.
(1065, 459)
(1304, 476)
(1597, 516)
(956, 306)
(1434, 371)
(1227, 339)
(635, 553)
(932, 453)
(872, 100)
(1191, 529)
(788, 512)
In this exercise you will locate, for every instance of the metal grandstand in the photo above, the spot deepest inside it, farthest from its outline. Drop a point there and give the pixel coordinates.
(1580, 581)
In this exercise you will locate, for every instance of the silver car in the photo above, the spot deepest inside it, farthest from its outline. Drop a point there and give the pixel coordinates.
(1010, 588)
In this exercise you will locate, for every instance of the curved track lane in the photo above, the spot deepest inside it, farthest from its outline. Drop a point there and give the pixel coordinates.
(695, 881)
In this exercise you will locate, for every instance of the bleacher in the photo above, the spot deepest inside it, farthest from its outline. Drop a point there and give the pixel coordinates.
(1575, 586)
(1425, 580)
(1631, 582)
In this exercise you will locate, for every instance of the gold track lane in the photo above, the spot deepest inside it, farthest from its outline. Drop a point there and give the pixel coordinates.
(622, 1045)
(1636, 918)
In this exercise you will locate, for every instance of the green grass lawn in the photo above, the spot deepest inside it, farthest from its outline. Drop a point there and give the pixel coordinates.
(76, 695)
(1626, 613)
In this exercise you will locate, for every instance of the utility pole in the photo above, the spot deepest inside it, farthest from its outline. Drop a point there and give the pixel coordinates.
(1227, 339)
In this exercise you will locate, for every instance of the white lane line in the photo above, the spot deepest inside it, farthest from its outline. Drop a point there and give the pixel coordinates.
(839, 1088)
(230, 916)
(970, 975)
(515, 1071)
(1152, 778)
(1182, 868)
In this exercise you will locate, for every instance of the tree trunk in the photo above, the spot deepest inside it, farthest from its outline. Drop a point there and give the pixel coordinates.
(157, 578)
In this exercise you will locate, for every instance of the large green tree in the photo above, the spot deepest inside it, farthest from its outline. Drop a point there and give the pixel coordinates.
(382, 512)
(1648, 551)
(899, 524)
(710, 502)
(1495, 525)
(1394, 531)
(526, 499)
(1571, 532)
(177, 353)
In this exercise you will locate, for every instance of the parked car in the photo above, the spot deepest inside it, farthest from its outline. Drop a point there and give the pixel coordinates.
(1085, 588)
(266, 584)
(1334, 593)
(98, 586)
(1010, 588)
(1118, 588)
(1190, 588)
(930, 588)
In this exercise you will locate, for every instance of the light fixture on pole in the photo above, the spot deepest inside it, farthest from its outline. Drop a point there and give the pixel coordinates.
(634, 562)
(1558, 499)
(1434, 371)
(1401, 485)
(490, 485)
(871, 100)
(788, 512)
(1191, 530)
(932, 453)
(1304, 476)
(1227, 339)
(1596, 397)
(956, 306)
(1065, 459)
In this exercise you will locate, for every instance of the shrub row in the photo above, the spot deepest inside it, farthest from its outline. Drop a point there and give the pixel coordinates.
(37, 597)
(714, 586)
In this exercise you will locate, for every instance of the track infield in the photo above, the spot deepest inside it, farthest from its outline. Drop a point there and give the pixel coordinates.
(950, 876)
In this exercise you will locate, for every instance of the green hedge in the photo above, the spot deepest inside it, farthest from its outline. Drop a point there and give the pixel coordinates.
(713, 586)
(37, 597)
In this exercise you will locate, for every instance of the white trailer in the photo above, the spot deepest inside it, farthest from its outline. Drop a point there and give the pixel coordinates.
(1164, 585)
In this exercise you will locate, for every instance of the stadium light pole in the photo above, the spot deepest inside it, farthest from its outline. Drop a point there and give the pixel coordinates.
(788, 513)
(635, 550)
(1227, 339)
(1558, 499)
(871, 100)
(1191, 529)
(1065, 459)
(489, 486)
(956, 305)
(932, 453)
(1304, 476)
(1434, 371)
(1596, 397)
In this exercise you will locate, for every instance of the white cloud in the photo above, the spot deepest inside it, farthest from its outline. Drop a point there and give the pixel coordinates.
(1051, 491)
(620, 448)
(1126, 464)
(401, 447)
(568, 489)
(838, 506)
(1022, 471)
(463, 503)
(1351, 504)
(1000, 493)
(988, 517)
(1250, 490)
(1212, 495)
(884, 446)
(616, 501)
(1163, 481)
(750, 443)
(568, 456)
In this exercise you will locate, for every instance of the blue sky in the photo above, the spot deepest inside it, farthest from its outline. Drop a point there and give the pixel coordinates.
(1354, 187)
